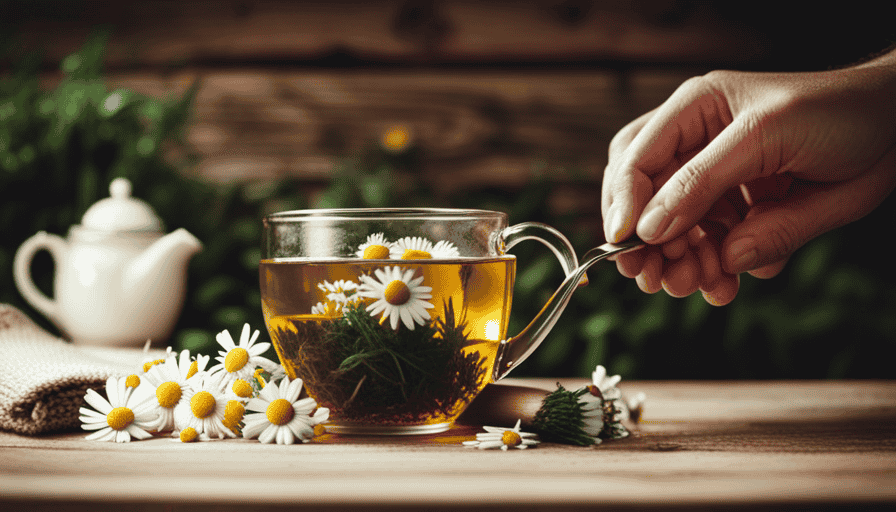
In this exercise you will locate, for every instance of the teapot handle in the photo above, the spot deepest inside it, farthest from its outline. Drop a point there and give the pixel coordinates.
(56, 246)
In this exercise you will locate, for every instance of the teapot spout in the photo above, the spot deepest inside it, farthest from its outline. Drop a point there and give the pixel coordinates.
(162, 263)
(515, 350)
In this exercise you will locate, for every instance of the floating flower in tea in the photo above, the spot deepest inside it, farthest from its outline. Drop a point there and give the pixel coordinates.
(375, 248)
(397, 295)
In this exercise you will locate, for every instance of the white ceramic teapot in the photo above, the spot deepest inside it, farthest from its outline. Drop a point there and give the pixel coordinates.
(119, 280)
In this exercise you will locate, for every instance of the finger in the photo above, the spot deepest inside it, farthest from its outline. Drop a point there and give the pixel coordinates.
(690, 117)
(631, 263)
(675, 249)
(732, 158)
(769, 271)
(682, 277)
(616, 183)
(650, 280)
(724, 291)
(710, 263)
(771, 232)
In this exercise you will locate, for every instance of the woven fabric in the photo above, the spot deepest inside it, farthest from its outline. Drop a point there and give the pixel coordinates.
(43, 378)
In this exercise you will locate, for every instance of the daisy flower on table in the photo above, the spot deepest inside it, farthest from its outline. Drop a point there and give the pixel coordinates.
(203, 408)
(397, 295)
(376, 247)
(168, 382)
(496, 437)
(240, 361)
(114, 417)
(279, 416)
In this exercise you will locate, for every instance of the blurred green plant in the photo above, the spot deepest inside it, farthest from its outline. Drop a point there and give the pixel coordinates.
(61, 146)
(830, 314)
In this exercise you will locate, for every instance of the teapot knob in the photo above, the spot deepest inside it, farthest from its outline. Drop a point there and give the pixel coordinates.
(120, 188)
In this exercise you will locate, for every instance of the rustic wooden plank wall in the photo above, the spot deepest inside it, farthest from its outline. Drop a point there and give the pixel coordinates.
(485, 88)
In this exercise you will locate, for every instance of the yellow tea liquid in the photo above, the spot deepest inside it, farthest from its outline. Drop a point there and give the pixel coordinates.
(369, 375)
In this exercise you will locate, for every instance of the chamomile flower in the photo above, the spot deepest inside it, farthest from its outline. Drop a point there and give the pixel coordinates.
(240, 361)
(496, 437)
(397, 296)
(168, 383)
(203, 408)
(329, 309)
(280, 416)
(114, 417)
(444, 250)
(338, 291)
(376, 247)
(411, 248)
(241, 390)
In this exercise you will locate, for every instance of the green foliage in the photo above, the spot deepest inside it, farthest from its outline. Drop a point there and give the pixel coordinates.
(60, 147)
(830, 314)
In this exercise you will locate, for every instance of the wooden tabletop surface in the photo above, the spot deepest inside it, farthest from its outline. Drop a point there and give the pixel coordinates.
(700, 445)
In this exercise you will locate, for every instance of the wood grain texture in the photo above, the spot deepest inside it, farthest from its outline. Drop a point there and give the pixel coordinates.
(166, 32)
(474, 128)
(701, 445)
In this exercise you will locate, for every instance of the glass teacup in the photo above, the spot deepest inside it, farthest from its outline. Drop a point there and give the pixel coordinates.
(396, 319)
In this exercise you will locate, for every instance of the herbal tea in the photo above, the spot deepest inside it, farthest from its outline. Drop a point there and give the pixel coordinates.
(389, 344)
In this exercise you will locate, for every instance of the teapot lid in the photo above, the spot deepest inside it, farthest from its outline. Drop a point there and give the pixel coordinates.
(121, 212)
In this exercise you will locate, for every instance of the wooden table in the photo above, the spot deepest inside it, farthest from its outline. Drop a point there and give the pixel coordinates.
(701, 445)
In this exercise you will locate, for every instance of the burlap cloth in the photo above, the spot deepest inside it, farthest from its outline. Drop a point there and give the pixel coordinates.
(43, 378)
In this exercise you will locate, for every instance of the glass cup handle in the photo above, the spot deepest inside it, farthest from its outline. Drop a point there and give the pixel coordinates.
(547, 235)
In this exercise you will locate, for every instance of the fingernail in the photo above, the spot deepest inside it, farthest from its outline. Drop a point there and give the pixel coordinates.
(742, 254)
(650, 224)
(618, 222)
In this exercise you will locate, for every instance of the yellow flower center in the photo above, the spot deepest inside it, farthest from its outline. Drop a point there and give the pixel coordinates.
(233, 413)
(188, 435)
(397, 293)
(319, 430)
(149, 364)
(242, 388)
(132, 381)
(236, 359)
(194, 369)
(511, 438)
(168, 394)
(414, 254)
(202, 404)
(376, 252)
(119, 418)
(280, 411)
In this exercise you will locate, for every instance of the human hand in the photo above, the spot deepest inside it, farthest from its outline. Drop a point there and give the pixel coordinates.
(736, 171)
